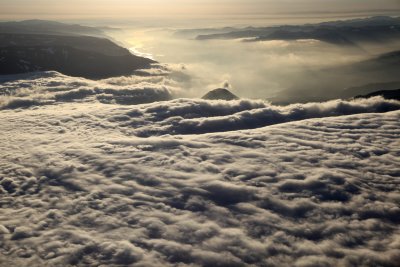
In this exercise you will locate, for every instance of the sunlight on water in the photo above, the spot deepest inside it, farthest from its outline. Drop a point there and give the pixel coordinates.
(137, 52)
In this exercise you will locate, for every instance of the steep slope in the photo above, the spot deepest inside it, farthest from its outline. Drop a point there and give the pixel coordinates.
(83, 56)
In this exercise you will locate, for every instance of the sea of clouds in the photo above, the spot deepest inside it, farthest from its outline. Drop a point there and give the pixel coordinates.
(190, 182)
(43, 88)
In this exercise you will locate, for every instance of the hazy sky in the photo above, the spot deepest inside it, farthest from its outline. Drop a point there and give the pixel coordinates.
(78, 9)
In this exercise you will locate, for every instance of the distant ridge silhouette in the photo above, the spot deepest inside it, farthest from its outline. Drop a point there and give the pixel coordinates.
(388, 94)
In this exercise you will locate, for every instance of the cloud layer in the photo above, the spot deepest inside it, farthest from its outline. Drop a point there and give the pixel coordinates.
(196, 116)
(42, 88)
(79, 186)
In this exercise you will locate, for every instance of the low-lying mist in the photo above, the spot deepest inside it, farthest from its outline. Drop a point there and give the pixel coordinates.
(277, 70)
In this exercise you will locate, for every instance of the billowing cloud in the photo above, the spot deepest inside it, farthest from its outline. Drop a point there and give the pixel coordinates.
(80, 187)
(51, 87)
(186, 116)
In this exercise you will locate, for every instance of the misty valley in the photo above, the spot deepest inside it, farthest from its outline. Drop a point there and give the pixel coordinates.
(148, 143)
(282, 64)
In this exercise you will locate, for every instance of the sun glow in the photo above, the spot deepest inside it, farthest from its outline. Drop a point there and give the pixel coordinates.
(133, 9)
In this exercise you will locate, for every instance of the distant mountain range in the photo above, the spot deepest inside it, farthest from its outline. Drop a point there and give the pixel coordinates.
(48, 27)
(30, 46)
(348, 32)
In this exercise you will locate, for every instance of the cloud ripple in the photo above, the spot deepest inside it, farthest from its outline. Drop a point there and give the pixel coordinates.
(80, 187)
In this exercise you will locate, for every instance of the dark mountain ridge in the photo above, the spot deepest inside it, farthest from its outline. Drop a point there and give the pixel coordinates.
(388, 94)
(369, 88)
(68, 60)
(86, 43)
(45, 47)
(48, 27)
